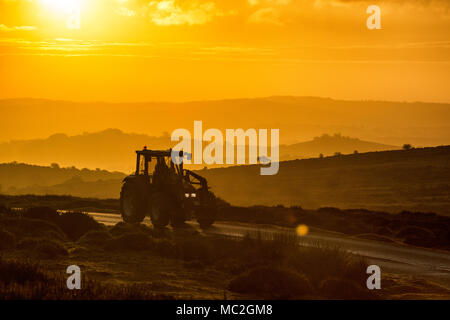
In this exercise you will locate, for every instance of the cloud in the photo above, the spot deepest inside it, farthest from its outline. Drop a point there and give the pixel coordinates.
(268, 11)
(266, 15)
(416, 2)
(268, 2)
(168, 12)
(5, 28)
(172, 12)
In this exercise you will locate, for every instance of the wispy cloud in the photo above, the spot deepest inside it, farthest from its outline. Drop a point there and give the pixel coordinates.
(5, 28)
(266, 15)
(267, 11)
(428, 3)
(173, 12)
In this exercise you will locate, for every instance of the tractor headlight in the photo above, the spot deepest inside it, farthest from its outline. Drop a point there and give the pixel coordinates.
(190, 195)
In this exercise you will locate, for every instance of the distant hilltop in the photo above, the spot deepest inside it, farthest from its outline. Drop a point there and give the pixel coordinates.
(327, 145)
(298, 118)
(114, 150)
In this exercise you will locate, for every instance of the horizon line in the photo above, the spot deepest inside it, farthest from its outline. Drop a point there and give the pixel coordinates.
(221, 99)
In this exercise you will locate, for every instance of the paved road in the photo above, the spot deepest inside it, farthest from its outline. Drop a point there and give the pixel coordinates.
(391, 257)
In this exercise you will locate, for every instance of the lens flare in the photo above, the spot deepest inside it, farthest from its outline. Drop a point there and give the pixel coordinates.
(302, 230)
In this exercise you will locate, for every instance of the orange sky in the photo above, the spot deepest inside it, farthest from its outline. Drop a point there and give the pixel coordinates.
(178, 50)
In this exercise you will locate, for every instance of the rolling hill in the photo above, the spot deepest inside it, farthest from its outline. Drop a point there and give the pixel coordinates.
(417, 179)
(20, 178)
(327, 145)
(298, 118)
(113, 149)
(392, 181)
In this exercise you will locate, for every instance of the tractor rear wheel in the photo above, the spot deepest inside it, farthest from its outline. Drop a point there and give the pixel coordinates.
(178, 217)
(161, 209)
(133, 201)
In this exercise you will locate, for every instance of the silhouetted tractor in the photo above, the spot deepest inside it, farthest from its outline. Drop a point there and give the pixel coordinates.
(169, 193)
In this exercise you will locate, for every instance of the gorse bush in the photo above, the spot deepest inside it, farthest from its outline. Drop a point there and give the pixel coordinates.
(76, 224)
(130, 242)
(417, 236)
(122, 228)
(95, 238)
(7, 240)
(271, 282)
(41, 213)
(73, 224)
(43, 248)
(33, 228)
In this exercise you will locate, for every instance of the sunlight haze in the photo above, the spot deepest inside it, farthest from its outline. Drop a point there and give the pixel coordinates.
(173, 50)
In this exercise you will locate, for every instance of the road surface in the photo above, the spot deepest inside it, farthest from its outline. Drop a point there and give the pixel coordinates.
(424, 263)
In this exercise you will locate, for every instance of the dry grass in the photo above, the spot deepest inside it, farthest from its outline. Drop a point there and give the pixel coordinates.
(26, 280)
(257, 266)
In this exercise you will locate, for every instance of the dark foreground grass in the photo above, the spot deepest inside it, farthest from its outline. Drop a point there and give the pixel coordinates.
(278, 268)
(275, 269)
(28, 281)
(424, 229)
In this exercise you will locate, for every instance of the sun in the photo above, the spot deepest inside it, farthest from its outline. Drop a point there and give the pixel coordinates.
(63, 6)
(70, 10)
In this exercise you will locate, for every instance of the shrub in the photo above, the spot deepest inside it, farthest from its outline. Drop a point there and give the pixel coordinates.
(122, 228)
(319, 262)
(7, 240)
(196, 249)
(339, 288)
(4, 210)
(132, 242)
(43, 248)
(76, 224)
(417, 236)
(50, 250)
(41, 213)
(406, 146)
(271, 283)
(24, 227)
(96, 238)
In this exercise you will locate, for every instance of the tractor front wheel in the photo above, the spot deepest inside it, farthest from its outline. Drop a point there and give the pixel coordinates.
(207, 214)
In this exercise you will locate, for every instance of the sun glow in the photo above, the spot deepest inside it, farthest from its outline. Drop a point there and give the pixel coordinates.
(69, 8)
(64, 6)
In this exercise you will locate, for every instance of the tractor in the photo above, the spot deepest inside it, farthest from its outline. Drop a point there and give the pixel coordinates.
(162, 189)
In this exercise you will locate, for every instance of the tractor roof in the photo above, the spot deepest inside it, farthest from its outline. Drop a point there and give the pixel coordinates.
(158, 153)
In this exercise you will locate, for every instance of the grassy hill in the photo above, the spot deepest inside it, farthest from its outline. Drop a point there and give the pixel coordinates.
(392, 181)
(417, 179)
(329, 145)
(20, 178)
(113, 149)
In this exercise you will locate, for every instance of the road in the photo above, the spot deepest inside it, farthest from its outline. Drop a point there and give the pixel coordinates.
(423, 263)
